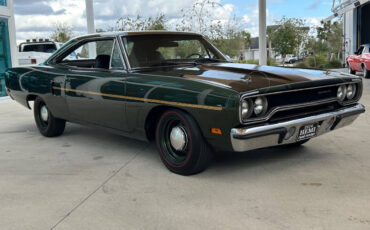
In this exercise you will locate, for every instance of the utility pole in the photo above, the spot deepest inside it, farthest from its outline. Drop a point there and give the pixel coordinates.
(90, 26)
(262, 32)
(90, 16)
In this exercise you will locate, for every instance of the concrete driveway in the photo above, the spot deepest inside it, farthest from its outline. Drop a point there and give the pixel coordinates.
(90, 179)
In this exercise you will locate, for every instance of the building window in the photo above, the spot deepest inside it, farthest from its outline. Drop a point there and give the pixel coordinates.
(2, 2)
(5, 59)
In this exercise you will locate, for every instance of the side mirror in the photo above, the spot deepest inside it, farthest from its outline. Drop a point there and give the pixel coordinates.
(356, 53)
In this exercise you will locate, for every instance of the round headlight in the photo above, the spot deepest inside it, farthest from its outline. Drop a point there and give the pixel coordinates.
(260, 105)
(351, 91)
(341, 93)
(246, 109)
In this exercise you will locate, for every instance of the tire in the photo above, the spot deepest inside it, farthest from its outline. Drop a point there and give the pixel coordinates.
(47, 124)
(350, 70)
(366, 72)
(185, 152)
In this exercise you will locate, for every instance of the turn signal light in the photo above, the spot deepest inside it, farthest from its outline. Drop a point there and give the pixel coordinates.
(216, 131)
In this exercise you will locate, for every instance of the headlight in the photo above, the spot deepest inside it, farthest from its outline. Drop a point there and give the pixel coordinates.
(246, 109)
(260, 105)
(341, 93)
(351, 91)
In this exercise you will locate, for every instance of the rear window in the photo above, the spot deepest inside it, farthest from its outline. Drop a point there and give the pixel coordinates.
(44, 48)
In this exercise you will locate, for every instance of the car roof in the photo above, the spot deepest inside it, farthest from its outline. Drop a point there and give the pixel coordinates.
(130, 33)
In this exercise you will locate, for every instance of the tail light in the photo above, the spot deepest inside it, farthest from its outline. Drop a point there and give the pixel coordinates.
(33, 61)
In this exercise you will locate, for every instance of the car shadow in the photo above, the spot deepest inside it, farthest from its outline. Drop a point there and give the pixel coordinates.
(279, 156)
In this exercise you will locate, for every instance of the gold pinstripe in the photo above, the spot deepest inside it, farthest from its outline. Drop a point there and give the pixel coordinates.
(217, 108)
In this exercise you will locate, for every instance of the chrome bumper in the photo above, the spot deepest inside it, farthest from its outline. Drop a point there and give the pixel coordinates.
(244, 139)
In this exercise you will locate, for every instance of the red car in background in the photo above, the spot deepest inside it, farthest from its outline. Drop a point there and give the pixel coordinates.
(360, 61)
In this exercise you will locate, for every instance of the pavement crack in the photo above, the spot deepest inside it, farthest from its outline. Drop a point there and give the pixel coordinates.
(99, 187)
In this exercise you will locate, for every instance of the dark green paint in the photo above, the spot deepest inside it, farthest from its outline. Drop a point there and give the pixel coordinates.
(218, 84)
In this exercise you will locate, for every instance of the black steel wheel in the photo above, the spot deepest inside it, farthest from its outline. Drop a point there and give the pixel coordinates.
(47, 124)
(180, 144)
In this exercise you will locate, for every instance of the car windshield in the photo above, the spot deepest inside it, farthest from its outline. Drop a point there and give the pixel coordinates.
(165, 50)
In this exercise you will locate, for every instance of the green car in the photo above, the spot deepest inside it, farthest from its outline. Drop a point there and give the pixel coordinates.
(179, 90)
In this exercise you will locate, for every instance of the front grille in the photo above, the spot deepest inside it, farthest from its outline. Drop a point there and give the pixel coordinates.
(303, 112)
(299, 103)
(302, 96)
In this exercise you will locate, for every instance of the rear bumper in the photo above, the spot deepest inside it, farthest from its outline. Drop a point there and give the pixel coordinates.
(244, 139)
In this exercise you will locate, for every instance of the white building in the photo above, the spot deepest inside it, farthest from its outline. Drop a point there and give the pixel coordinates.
(8, 46)
(356, 23)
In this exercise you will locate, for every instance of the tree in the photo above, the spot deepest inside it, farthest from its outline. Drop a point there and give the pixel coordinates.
(227, 35)
(62, 33)
(289, 36)
(140, 23)
(270, 31)
(331, 34)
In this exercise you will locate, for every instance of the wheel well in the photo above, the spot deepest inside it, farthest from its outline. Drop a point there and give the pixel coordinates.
(153, 118)
(29, 98)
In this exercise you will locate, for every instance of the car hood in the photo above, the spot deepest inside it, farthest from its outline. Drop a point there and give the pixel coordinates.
(246, 77)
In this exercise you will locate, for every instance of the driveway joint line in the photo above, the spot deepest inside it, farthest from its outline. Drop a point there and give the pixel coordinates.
(98, 188)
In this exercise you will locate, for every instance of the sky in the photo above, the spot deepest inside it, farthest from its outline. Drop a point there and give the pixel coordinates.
(37, 18)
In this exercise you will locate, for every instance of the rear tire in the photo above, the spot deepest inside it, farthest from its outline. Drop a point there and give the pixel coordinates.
(47, 124)
(180, 143)
(350, 70)
(366, 72)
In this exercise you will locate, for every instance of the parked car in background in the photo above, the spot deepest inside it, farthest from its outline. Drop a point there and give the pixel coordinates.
(178, 89)
(290, 58)
(36, 51)
(360, 61)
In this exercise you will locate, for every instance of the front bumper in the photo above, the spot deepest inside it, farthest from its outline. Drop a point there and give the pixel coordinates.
(244, 139)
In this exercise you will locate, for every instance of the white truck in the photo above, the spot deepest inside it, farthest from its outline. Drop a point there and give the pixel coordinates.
(36, 51)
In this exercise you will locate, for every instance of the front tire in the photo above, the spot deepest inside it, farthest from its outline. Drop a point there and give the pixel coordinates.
(47, 124)
(180, 143)
(350, 70)
(366, 72)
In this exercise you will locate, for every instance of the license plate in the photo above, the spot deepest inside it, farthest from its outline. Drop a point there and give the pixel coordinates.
(307, 132)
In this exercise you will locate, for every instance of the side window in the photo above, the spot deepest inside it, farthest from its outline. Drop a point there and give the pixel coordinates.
(116, 60)
(360, 50)
(90, 50)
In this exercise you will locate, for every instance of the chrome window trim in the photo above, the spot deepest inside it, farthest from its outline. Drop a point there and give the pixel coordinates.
(293, 106)
(124, 51)
(115, 43)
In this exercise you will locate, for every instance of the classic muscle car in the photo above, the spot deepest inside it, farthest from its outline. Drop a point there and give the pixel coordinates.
(180, 91)
(360, 61)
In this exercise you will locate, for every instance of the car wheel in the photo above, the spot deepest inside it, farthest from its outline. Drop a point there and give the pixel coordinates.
(48, 125)
(180, 144)
(366, 72)
(350, 70)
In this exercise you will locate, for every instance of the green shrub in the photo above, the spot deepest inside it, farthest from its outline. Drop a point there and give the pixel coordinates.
(319, 62)
(302, 64)
(334, 64)
(270, 61)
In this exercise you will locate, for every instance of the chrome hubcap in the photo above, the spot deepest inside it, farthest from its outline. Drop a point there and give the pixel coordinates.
(178, 138)
(44, 113)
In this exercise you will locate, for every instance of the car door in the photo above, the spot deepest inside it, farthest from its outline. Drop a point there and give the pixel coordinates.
(95, 95)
